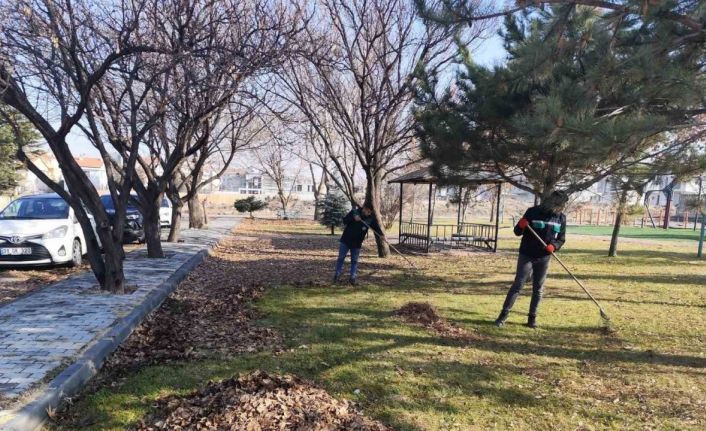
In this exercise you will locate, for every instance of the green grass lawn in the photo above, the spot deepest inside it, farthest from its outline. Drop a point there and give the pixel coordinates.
(636, 232)
(567, 375)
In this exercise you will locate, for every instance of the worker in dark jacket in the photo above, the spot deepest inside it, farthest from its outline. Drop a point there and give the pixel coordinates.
(357, 222)
(549, 222)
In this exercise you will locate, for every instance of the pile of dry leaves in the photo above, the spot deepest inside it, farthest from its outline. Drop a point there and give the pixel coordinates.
(258, 402)
(209, 313)
(424, 314)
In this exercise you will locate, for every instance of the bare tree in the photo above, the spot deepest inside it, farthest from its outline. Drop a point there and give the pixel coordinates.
(53, 54)
(356, 87)
(220, 45)
(123, 108)
(276, 157)
(320, 186)
(232, 131)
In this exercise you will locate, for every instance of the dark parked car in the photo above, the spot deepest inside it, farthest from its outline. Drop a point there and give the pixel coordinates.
(133, 231)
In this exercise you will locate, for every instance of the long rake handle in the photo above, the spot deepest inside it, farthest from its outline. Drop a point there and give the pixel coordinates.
(568, 271)
(389, 245)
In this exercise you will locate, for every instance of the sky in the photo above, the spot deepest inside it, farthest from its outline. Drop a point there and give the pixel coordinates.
(488, 52)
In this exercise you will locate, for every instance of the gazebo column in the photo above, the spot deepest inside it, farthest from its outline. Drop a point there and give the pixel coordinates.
(429, 218)
(399, 233)
(458, 214)
(497, 216)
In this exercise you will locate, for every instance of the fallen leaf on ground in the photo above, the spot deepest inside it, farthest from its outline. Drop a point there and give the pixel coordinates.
(258, 401)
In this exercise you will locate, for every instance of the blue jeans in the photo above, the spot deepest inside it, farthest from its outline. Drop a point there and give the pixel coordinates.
(343, 250)
(527, 266)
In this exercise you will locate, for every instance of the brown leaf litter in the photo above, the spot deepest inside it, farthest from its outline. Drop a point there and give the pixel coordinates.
(425, 314)
(258, 402)
(209, 313)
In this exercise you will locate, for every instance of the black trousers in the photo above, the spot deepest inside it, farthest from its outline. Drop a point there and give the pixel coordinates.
(537, 267)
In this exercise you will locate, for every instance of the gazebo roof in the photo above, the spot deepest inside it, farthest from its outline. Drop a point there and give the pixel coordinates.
(425, 176)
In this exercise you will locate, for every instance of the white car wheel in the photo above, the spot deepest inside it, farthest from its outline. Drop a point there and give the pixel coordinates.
(76, 254)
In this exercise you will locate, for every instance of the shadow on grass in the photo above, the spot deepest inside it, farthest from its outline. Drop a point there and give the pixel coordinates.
(368, 344)
(642, 256)
(495, 344)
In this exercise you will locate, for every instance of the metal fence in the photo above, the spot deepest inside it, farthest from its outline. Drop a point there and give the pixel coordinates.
(438, 236)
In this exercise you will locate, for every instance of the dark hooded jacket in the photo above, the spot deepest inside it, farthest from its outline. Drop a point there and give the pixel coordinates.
(550, 226)
(355, 232)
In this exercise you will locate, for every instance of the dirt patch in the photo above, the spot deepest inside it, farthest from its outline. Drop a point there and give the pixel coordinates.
(258, 401)
(15, 283)
(424, 314)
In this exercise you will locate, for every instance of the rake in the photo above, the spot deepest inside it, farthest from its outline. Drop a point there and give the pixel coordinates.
(390, 245)
(604, 315)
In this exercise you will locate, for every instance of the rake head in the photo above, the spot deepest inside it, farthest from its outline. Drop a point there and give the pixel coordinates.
(608, 327)
(604, 315)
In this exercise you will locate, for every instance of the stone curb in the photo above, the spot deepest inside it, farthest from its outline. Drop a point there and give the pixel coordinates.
(33, 415)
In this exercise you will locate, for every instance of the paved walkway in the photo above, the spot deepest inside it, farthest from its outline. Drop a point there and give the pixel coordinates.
(50, 327)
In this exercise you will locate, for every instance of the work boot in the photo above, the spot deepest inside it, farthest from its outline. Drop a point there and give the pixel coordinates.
(500, 321)
(352, 281)
(336, 278)
(532, 321)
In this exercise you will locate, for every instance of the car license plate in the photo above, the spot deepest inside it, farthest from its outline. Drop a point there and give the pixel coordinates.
(15, 251)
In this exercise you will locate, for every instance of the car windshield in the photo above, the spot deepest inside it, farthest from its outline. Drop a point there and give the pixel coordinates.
(107, 202)
(165, 203)
(36, 208)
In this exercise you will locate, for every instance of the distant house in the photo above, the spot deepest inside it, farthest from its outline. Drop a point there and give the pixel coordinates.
(603, 192)
(29, 183)
(254, 182)
(682, 191)
(95, 171)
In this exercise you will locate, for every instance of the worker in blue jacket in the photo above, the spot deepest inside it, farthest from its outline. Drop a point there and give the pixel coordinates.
(357, 223)
(549, 222)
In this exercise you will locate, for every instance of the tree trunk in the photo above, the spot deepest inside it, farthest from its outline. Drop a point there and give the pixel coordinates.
(317, 210)
(613, 249)
(175, 228)
(283, 202)
(153, 232)
(667, 210)
(318, 191)
(333, 231)
(196, 213)
(492, 209)
(107, 266)
(372, 199)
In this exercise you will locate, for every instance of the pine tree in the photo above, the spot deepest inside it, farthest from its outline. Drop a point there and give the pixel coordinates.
(582, 96)
(9, 163)
(333, 208)
(249, 205)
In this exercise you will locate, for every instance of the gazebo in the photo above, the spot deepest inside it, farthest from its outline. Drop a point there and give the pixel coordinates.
(461, 234)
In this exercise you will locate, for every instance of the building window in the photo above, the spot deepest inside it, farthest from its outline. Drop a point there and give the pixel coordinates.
(299, 187)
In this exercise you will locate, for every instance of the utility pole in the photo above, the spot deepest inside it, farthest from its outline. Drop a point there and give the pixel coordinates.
(698, 200)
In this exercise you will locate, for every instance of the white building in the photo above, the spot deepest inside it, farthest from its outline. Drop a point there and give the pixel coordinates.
(254, 182)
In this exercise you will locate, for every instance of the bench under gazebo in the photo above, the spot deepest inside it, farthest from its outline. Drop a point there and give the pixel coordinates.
(461, 234)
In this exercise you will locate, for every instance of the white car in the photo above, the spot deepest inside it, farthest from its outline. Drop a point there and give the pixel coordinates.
(40, 230)
(165, 213)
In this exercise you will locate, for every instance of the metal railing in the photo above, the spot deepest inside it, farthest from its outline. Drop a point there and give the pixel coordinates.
(448, 235)
(414, 234)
